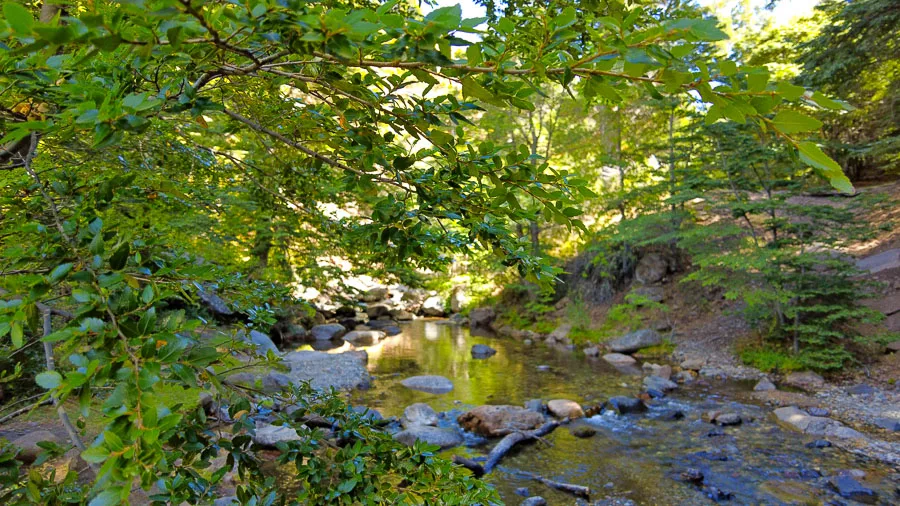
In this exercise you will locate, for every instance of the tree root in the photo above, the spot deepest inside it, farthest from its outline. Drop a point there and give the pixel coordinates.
(503, 447)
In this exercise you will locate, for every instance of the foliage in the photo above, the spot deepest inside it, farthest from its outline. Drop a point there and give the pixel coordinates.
(769, 359)
(152, 148)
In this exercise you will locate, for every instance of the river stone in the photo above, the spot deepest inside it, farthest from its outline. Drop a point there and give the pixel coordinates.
(728, 419)
(893, 347)
(368, 413)
(535, 405)
(564, 408)
(28, 444)
(534, 501)
(482, 317)
(693, 364)
(401, 315)
(861, 389)
(661, 384)
(419, 414)
(274, 382)
(445, 438)
(560, 334)
(584, 432)
(499, 420)
(802, 421)
(765, 385)
(329, 331)
(849, 488)
(592, 351)
(458, 299)
(271, 435)
(373, 311)
(482, 351)
(326, 370)
(625, 405)
(364, 337)
(429, 383)
(619, 359)
(433, 306)
(263, 342)
(806, 380)
(651, 268)
(374, 294)
(630, 343)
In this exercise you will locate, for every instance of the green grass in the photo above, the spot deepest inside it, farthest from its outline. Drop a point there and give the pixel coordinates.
(768, 359)
(659, 351)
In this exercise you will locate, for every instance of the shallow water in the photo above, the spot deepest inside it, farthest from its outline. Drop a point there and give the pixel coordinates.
(636, 457)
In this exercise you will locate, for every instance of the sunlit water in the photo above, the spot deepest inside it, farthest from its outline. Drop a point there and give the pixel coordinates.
(638, 457)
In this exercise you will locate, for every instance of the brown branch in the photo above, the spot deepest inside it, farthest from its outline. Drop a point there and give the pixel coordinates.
(503, 447)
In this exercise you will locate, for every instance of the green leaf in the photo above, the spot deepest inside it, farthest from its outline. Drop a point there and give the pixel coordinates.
(790, 91)
(812, 155)
(565, 18)
(16, 334)
(472, 88)
(18, 17)
(791, 122)
(109, 497)
(60, 271)
(147, 294)
(48, 379)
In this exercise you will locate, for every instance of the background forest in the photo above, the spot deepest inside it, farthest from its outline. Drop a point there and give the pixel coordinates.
(158, 155)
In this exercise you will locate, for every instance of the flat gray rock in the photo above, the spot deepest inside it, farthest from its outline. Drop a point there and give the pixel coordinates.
(802, 421)
(271, 435)
(327, 332)
(419, 414)
(482, 351)
(429, 383)
(342, 371)
(619, 359)
(445, 438)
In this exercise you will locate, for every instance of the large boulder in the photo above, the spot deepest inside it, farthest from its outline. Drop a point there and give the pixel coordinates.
(444, 438)
(326, 370)
(492, 421)
(419, 414)
(482, 317)
(215, 305)
(564, 408)
(630, 343)
(29, 450)
(799, 420)
(428, 383)
(806, 380)
(433, 306)
(651, 268)
(263, 342)
(328, 332)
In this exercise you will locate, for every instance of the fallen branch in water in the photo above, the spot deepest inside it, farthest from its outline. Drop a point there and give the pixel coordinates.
(503, 447)
(577, 490)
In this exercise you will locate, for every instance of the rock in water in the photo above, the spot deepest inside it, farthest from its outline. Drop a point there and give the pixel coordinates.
(619, 359)
(534, 405)
(806, 380)
(428, 383)
(661, 384)
(271, 435)
(630, 343)
(29, 444)
(375, 310)
(534, 501)
(445, 438)
(625, 405)
(765, 385)
(482, 317)
(327, 332)
(482, 351)
(584, 432)
(419, 414)
(499, 420)
(433, 306)
(564, 408)
(364, 337)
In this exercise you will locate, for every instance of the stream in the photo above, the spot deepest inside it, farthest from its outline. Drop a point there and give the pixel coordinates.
(638, 457)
